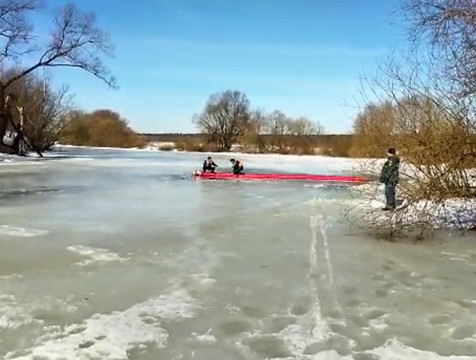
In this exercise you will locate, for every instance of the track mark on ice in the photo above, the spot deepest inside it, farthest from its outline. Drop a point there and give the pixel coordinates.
(321, 328)
(318, 223)
(312, 335)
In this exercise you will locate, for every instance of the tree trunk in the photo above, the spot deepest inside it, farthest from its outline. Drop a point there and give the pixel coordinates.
(4, 121)
(4, 148)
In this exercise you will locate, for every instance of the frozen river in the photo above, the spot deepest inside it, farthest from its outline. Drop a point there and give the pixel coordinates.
(121, 255)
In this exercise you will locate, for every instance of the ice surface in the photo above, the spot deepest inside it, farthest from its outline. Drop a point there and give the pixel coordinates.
(127, 257)
(111, 336)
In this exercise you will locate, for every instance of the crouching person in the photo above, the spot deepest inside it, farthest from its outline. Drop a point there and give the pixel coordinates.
(237, 167)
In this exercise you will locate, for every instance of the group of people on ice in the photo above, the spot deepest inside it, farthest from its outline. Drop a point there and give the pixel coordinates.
(388, 176)
(210, 166)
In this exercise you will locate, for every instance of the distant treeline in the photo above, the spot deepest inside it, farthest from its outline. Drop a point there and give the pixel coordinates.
(173, 137)
(334, 145)
(229, 123)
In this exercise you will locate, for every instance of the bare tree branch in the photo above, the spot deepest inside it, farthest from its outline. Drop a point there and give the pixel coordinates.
(15, 30)
(75, 42)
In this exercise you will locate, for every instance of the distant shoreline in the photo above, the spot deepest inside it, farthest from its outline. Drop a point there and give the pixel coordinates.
(176, 137)
(153, 148)
(325, 145)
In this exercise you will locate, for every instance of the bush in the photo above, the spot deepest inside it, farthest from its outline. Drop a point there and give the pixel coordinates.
(303, 150)
(188, 145)
(339, 147)
(194, 146)
(103, 128)
(167, 147)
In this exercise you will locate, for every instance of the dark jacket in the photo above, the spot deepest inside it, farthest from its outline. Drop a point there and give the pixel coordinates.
(209, 165)
(390, 171)
(237, 167)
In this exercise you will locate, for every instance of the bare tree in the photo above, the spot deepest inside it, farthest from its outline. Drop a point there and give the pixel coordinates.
(75, 42)
(45, 110)
(278, 128)
(374, 127)
(304, 127)
(225, 118)
(429, 95)
(15, 30)
(253, 139)
(449, 27)
(430, 128)
(288, 135)
(301, 138)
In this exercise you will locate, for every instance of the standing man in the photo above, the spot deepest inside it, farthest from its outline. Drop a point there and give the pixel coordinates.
(389, 176)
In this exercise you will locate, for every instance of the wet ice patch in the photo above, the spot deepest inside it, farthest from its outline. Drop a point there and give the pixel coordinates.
(378, 323)
(112, 336)
(20, 231)
(94, 255)
(395, 350)
(232, 309)
(329, 355)
(11, 276)
(15, 313)
(296, 337)
(12, 316)
(457, 257)
(203, 279)
(205, 339)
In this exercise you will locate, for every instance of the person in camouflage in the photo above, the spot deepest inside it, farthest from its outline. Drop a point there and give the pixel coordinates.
(389, 176)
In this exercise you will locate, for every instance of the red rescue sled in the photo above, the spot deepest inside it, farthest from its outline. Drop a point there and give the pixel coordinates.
(267, 177)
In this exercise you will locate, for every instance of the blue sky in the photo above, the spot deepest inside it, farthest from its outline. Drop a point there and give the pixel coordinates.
(303, 57)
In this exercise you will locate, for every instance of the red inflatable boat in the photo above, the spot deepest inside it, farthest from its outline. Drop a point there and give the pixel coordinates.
(267, 177)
